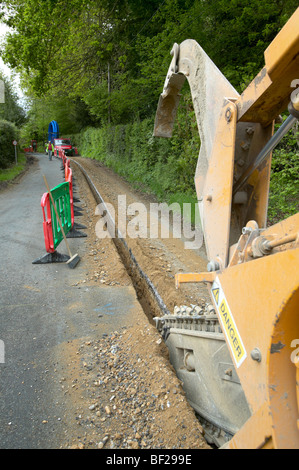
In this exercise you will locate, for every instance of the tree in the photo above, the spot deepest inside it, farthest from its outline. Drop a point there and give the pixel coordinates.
(11, 110)
(8, 133)
(66, 48)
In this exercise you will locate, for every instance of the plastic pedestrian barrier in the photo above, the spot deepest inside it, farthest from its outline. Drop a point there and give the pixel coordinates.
(61, 197)
(70, 181)
(52, 231)
(47, 223)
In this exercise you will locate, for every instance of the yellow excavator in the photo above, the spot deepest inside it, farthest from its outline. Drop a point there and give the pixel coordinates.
(239, 357)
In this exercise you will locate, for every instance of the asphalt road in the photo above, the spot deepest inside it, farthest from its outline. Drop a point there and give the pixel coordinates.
(35, 306)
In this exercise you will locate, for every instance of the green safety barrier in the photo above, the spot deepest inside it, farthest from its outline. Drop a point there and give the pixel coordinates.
(62, 201)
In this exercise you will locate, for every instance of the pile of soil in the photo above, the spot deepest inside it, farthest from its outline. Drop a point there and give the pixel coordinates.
(133, 399)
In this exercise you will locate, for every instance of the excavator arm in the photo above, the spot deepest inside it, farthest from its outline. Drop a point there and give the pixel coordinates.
(253, 269)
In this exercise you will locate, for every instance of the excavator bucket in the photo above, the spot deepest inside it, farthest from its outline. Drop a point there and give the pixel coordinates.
(237, 358)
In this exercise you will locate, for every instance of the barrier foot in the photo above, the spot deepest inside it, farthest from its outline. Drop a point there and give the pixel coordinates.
(76, 199)
(51, 258)
(73, 233)
(76, 226)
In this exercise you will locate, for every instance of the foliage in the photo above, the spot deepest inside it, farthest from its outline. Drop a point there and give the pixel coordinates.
(11, 110)
(8, 133)
(70, 114)
(113, 56)
(284, 183)
(13, 170)
(164, 167)
(100, 65)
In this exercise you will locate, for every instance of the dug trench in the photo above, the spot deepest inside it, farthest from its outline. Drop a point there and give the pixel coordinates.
(157, 259)
(134, 398)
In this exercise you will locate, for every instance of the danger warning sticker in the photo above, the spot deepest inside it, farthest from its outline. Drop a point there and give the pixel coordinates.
(228, 324)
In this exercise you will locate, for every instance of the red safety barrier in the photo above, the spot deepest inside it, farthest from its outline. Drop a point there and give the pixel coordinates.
(67, 168)
(63, 157)
(50, 228)
(47, 223)
(76, 151)
(70, 181)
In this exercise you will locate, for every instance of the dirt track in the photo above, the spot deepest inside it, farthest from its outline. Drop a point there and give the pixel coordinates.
(159, 258)
(134, 398)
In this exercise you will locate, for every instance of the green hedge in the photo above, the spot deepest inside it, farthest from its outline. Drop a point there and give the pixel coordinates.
(284, 182)
(8, 133)
(165, 167)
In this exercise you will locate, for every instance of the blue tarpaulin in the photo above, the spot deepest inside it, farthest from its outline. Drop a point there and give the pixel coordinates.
(53, 131)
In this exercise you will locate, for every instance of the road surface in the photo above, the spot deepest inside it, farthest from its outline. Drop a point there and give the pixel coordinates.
(43, 308)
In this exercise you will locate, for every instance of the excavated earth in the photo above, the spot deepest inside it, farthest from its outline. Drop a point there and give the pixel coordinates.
(132, 397)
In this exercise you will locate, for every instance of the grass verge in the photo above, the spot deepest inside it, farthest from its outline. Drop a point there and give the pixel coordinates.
(14, 170)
